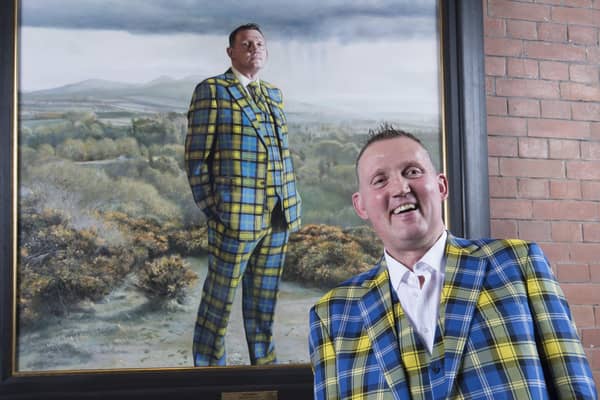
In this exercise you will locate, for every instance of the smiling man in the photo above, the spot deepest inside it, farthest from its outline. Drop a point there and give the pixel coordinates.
(440, 317)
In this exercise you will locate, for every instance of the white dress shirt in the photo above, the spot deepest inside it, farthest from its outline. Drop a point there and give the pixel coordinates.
(421, 304)
(244, 80)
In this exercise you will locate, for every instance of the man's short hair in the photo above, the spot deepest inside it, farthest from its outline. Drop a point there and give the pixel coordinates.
(246, 27)
(385, 131)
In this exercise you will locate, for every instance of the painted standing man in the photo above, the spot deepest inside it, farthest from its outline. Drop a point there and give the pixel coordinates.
(240, 171)
(441, 317)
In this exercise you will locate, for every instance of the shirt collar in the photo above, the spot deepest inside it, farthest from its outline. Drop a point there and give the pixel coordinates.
(434, 258)
(242, 78)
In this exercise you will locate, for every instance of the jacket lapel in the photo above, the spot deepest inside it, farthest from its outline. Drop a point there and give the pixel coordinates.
(462, 285)
(377, 312)
(238, 94)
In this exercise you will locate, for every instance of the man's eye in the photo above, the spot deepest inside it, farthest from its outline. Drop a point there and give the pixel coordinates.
(412, 172)
(378, 181)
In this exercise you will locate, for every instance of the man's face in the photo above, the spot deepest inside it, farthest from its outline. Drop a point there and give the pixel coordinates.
(249, 52)
(401, 194)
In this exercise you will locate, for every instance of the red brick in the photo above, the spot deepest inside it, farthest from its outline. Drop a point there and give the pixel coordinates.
(549, 32)
(582, 35)
(496, 105)
(502, 146)
(522, 68)
(586, 111)
(554, 51)
(566, 231)
(494, 27)
(554, 70)
(558, 128)
(590, 150)
(595, 130)
(577, 3)
(584, 252)
(524, 107)
(495, 66)
(580, 92)
(565, 190)
(503, 47)
(564, 149)
(584, 73)
(590, 190)
(590, 337)
(503, 187)
(593, 356)
(521, 29)
(593, 55)
(493, 166)
(577, 293)
(556, 252)
(533, 188)
(576, 16)
(532, 168)
(533, 148)
(591, 233)
(507, 126)
(509, 208)
(534, 231)
(556, 109)
(514, 10)
(571, 273)
(574, 210)
(527, 88)
(490, 86)
(586, 170)
(503, 228)
(595, 276)
(584, 316)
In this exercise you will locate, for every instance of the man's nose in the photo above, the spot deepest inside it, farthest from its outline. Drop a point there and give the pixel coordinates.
(400, 185)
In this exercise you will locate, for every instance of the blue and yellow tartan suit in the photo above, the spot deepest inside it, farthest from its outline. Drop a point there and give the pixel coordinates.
(504, 332)
(240, 171)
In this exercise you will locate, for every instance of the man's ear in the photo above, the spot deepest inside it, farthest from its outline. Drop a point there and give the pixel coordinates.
(443, 186)
(229, 51)
(359, 207)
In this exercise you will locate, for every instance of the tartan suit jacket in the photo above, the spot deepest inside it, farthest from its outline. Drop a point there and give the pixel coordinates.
(226, 156)
(504, 332)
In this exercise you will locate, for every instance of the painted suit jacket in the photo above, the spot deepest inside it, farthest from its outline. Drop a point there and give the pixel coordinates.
(226, 157)
(504, 332)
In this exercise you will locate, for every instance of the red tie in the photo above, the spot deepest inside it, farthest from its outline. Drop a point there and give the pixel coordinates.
(421, 280)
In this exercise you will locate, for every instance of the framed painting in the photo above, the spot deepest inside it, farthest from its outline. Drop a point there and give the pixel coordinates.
(102, 250)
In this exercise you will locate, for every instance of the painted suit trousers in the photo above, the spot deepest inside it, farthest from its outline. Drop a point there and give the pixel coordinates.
(259, 265)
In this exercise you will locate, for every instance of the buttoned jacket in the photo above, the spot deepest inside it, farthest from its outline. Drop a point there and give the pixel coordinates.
(227, 158)
(504, 332)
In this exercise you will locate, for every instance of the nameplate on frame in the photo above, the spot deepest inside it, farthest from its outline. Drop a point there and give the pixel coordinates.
(263, 395)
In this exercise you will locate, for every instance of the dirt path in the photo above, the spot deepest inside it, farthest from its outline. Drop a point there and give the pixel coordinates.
(128, 331)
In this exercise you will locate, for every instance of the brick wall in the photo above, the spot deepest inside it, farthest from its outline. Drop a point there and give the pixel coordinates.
(542, 62)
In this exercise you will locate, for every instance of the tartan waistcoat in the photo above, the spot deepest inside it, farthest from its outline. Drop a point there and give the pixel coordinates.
(274, 166)
(425, 373)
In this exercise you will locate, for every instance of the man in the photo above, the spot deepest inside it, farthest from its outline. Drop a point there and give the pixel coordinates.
(240, 171)
(440, 316)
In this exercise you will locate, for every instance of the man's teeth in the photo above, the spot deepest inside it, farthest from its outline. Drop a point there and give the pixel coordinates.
(404, 208)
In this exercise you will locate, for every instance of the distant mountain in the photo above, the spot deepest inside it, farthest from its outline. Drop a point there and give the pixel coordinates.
(165, 94)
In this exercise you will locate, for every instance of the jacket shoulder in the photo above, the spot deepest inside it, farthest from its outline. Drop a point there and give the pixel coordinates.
(486, 247)
(351, 289)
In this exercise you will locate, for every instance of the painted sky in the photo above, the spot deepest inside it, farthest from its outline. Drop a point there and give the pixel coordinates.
(382, 53)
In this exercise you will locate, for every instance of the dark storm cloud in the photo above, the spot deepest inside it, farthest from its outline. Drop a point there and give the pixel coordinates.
(345, 20)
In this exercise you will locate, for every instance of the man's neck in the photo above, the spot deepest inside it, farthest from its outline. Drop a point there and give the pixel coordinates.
(248, 76)
(410, 256)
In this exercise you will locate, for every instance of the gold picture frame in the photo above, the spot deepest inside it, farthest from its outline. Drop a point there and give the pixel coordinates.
(463, 121)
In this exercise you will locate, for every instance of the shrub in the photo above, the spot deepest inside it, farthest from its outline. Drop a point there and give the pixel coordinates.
(165, 278)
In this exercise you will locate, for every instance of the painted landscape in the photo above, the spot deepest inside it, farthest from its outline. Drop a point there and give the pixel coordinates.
(112, 245)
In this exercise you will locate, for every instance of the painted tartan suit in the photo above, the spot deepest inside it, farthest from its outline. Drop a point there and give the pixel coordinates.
(232, 147)
(504, 332)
